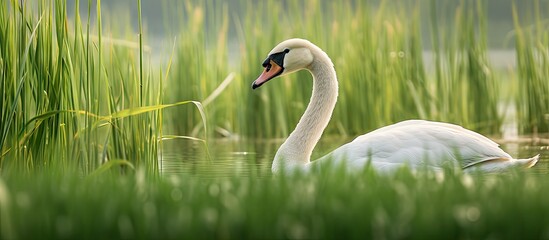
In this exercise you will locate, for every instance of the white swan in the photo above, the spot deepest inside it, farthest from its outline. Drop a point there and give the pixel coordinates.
(416, 143)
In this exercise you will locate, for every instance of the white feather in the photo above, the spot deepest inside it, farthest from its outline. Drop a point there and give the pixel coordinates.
(415, 143)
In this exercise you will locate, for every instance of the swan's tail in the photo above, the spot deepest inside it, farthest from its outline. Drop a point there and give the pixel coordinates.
(529, 162)
(502, 165)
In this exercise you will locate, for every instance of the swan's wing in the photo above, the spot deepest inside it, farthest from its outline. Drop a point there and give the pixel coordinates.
(419, 142)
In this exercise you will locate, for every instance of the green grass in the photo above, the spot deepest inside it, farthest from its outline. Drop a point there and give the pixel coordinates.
(333, 204)
(81, 91)
(466, 89)
(200, 67)
(82, 102)
(532, 41)
(73, 98)
(377, 49)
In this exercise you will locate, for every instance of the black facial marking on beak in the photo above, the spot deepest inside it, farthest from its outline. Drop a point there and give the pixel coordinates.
(266, 64)
(275, 63)
(278, 58)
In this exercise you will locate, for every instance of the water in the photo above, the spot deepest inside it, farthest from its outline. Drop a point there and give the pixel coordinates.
(253, 157)
(226, 157)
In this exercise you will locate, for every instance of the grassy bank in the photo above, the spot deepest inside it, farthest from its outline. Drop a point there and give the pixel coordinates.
(327, 205)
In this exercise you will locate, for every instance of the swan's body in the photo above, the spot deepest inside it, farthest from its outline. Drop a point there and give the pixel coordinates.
(415, 143)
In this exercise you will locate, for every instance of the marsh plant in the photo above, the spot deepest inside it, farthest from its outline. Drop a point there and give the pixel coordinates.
(82, 90)
(532, 47)
(330, 204)
(74, 98)
(378, 49)
(85, 110)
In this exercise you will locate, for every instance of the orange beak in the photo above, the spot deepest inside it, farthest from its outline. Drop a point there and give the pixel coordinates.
(271, 71)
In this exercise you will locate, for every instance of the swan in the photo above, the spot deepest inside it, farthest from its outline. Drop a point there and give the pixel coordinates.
(414, 143)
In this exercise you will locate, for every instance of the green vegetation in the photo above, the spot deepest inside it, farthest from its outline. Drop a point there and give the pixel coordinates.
(87, 105)
(379, 57)
(532, 46)
(466, 90)
(329, 205)
(77, 97)
(72, 97)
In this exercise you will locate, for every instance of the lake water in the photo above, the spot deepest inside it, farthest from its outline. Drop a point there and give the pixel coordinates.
(254, 157)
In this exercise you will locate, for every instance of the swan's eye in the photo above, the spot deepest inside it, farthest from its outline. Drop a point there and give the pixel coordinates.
(266, 64)
(286, 50)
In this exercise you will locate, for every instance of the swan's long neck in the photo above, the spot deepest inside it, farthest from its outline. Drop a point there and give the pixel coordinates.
(297, 149)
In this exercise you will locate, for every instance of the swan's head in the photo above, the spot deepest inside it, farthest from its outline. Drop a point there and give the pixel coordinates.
(287, 57)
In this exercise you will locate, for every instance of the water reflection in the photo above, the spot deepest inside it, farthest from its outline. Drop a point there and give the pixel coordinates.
(253, 157)
(226, 157)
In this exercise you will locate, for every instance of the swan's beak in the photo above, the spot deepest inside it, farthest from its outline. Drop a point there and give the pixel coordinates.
(271, 71)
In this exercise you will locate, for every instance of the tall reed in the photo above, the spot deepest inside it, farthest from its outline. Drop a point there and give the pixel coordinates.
(201, 67)
(378, 51)
(378, 54)
(73, 97)
(465, 90)
(81, 92)
(532, 51)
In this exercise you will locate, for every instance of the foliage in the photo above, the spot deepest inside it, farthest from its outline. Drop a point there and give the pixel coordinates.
(331, 204)
(532, 43)
(72, 97)
(378, 52)
(80, 90)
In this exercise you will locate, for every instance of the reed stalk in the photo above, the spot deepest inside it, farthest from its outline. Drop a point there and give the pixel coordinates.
(532, 51)
(73, 99)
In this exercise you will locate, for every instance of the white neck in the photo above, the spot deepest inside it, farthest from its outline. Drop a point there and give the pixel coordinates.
(297, 149)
